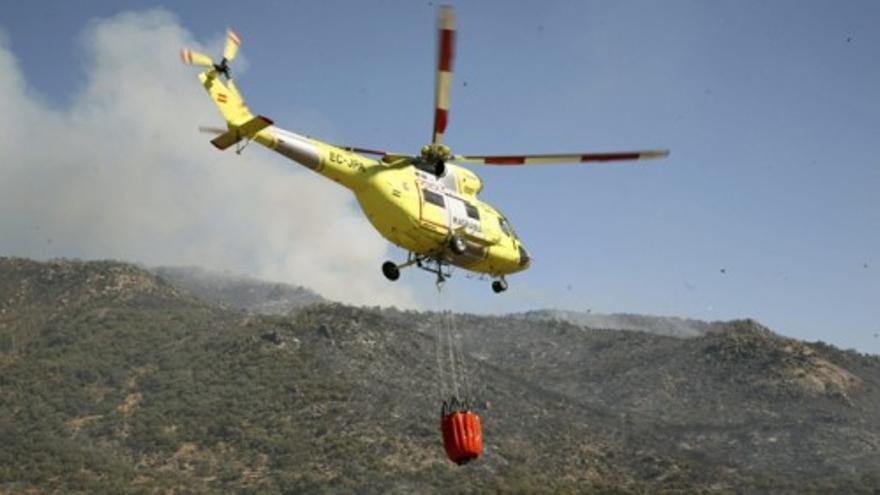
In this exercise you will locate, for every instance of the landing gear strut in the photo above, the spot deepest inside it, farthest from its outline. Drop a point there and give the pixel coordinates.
(437, 265)
(499, 285)
(433, 264)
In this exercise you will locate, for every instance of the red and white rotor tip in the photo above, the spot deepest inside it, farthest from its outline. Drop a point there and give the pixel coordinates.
(233, 41)
(445, 55)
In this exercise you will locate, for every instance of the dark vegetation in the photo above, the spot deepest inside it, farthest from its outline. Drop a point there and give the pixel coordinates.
(114, 380)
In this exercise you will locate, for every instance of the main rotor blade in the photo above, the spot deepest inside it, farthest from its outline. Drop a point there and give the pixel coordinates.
(190, 57)
(443, 83)
(232, 42)
(560, 158)
(366, 151)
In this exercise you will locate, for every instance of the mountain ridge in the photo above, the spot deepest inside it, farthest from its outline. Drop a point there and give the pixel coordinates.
(116, 380)
(662, 325)
(276, 298)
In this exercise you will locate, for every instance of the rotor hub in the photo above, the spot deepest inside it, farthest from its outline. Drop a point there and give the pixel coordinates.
(223, 68)
(436, 153)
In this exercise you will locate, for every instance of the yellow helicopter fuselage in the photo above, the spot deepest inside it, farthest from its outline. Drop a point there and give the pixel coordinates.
(413, 208)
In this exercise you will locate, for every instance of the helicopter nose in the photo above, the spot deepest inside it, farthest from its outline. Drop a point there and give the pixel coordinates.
(524, 259)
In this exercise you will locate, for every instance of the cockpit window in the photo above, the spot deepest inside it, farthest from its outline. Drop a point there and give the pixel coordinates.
(505, 227)
(472, 211)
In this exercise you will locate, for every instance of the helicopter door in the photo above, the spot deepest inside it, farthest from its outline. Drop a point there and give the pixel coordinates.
(433, 210)
(464, 217)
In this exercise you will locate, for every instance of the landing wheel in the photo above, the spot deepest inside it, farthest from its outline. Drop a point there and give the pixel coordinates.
(499, 286)
(390, 270)
(457, 245)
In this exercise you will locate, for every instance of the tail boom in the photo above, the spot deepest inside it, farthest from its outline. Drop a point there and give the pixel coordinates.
(337, 164)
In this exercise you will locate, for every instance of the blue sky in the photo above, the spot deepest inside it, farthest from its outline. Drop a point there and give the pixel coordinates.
(767, 207)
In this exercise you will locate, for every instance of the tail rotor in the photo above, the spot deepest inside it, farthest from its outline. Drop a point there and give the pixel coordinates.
(190, 57)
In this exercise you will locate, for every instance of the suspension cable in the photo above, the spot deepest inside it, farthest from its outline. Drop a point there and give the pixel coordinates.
(450, 346)
(459, 350)
(447, 350)
(454, 374)
(438, 346)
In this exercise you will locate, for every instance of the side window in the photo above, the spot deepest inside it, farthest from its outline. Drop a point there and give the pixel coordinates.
(433, 198)
(504, 226)
(472, 211)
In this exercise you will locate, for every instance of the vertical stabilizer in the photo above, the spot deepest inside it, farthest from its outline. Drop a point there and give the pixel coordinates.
(227, 98)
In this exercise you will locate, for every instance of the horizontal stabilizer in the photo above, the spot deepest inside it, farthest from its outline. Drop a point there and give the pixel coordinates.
(247, 130)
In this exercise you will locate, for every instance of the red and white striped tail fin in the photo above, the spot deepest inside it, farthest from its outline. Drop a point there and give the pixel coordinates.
(443, 84)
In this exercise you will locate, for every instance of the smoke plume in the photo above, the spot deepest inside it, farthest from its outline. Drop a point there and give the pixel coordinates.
(121, 172)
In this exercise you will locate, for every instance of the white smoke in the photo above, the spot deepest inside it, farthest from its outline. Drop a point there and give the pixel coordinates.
(123, 173)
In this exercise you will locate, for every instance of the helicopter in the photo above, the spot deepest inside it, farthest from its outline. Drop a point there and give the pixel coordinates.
(427, 204)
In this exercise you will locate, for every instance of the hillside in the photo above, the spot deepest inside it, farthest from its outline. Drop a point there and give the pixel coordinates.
(113, 379)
